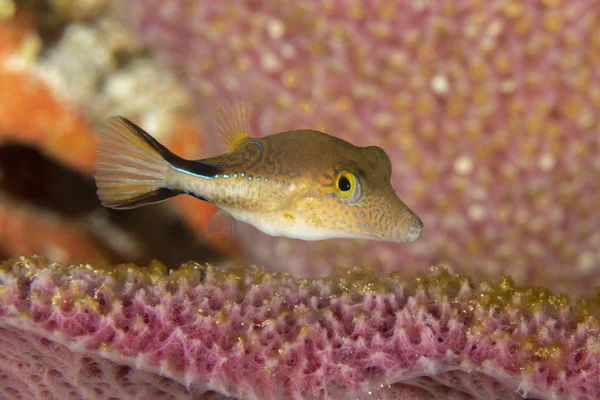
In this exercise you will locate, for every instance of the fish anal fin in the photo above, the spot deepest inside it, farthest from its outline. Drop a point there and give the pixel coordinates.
(233, 125)
(222, 223)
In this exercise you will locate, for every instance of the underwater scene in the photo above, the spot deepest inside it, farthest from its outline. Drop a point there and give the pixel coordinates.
(332, 199)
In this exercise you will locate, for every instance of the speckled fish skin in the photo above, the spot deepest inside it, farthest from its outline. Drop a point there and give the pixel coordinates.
(283, 185)
(301, 184)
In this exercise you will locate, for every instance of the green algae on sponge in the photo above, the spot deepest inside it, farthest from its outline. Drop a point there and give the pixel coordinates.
(247, 333)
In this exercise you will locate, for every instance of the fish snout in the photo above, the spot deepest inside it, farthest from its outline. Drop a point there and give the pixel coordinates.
(411, 230)
(414, 231)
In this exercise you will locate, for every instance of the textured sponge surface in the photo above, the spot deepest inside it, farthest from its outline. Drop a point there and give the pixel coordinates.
(129, 332)
(33, 367)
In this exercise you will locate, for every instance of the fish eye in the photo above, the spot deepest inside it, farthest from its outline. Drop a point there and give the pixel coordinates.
(347, 186)
(344, 184)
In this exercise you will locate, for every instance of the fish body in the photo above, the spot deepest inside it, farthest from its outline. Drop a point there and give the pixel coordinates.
(301, 184)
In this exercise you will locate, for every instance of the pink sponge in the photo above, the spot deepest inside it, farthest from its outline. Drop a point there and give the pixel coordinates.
(83, 332)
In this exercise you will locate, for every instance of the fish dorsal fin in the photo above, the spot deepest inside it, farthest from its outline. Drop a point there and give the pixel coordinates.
(233, 125)
(325, 127)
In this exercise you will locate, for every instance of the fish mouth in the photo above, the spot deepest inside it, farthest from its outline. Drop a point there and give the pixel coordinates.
(414, 230)
(409, 228)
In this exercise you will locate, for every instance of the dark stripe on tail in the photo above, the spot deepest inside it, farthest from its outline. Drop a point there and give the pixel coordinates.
(150, 197)
(196, 167)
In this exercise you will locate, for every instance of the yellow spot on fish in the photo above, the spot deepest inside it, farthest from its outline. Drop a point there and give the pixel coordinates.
(316, 222)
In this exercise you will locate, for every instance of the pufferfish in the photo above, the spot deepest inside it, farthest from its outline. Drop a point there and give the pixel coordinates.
(301, 184)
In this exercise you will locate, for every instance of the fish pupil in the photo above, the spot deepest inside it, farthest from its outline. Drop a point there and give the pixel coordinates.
(344, 184)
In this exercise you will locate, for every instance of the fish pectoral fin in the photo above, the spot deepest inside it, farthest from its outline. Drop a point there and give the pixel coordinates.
(298, 199)
(222, 223)
(233, 125)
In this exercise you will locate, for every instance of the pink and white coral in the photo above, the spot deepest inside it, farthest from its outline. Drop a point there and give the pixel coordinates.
(82, 332)
(488, 110)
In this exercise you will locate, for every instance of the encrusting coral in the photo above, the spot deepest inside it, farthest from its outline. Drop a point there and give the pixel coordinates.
(112, 333)
(488, 110)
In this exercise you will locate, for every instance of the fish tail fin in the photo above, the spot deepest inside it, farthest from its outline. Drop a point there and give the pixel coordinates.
(131, 166)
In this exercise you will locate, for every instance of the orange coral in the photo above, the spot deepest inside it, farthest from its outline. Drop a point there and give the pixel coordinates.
(33, 113)
(30, 113)
(26, 230)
